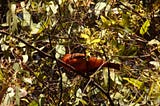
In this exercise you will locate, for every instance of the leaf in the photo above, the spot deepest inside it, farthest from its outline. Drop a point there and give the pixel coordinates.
(153, 42)
(4, 47)
(17, 95)
(144, 27)
(8, 99)
(105, 21)
(38, 28)
(60, 50)
(53, 7)
(125, 20)
(151, 89)
(79, 95)
(155, 63)
(28, 80)
(33, 103)
(21, 44)
(99, 6)
(26, 16)
(23, 92)
(1, 76)
(134, 82)
(16, 67)
(25, 58)
(95, 41)
(87, 31)
(107, 9)
(85, 36)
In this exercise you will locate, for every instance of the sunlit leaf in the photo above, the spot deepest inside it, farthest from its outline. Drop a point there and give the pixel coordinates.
(53, 7)
(4, 47)
(25, 58)
(26, 16)
(79, 95)
(153, 41)
(108, 7)
(38, 28)
(134, 82)
(16, 67)
(105, 21)
(61, 1)
(28, 80)
(155, 63)
(87, 31)
(13, 20)
(11, 92)
(99, 6)
(85, 36)
(151, 89)
(115, 78)
(105, 76)
(8, 99)
(23, 92)
(17, 95)
(144, 27)
(95, 41)
(71, 10)
(118, 96)
(21, 44)
(1, 76)
(60, 50)
(33, 103)
(34, 5)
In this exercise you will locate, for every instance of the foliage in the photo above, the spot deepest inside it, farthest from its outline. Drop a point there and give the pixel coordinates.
(125, 32)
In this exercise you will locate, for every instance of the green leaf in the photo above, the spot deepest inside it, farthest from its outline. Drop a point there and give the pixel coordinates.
(144, 27)
(134, 82)
(125, 20)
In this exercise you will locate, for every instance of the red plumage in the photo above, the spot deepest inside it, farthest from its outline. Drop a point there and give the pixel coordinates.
(86, 65)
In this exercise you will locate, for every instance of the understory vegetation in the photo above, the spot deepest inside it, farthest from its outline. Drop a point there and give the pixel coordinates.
(35, 34)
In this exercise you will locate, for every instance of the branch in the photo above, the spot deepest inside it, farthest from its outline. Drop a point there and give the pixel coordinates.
(63, 64)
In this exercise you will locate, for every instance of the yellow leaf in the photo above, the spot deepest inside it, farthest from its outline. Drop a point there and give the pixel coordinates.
(96, 41)
(41, 26)
(134, 82)
(87, 31)
(1, 76)
(105, 21)
(85, 36)
(144, 27)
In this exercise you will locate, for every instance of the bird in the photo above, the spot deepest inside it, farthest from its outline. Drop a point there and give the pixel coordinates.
(82, 64)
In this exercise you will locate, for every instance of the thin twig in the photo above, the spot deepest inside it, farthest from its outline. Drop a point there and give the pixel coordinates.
(63, 64)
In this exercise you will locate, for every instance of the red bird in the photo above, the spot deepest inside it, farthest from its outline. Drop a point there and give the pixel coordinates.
(86, 65)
